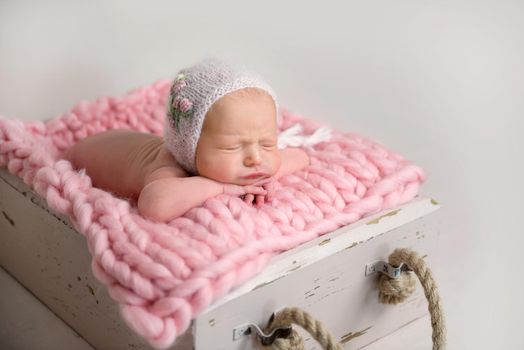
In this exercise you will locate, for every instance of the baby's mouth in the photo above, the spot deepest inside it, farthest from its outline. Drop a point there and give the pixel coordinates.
(255, 176)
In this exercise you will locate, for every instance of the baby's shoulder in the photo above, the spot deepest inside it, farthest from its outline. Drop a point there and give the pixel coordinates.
(165, 166)
(165, 172)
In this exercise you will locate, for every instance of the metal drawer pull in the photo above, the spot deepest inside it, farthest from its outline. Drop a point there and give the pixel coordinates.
(265, 339)
(386, 268)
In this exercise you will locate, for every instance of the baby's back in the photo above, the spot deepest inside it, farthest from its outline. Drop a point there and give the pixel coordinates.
(119, 160)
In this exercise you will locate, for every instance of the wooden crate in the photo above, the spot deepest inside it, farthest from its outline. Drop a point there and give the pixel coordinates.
(325, 276)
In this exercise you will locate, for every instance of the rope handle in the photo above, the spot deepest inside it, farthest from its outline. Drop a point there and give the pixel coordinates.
(391, 291)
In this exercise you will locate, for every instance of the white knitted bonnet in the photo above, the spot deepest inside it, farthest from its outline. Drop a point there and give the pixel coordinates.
(193, 92)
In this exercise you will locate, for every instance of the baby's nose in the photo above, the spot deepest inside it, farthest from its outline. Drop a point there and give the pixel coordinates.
(252, 158)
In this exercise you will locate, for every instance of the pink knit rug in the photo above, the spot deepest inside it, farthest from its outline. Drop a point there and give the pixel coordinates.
(163, 275)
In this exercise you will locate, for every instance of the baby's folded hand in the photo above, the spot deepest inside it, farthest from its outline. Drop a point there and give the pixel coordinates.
(237, 190)
(258, 193)
(269, 185)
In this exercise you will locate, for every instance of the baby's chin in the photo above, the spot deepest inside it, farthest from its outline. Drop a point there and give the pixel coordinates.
(247, 182)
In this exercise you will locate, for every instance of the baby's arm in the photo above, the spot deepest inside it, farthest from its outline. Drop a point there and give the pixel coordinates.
(293, 159)
(167, 197)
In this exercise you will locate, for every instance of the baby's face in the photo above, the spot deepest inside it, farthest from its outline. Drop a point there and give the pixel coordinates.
(238, 143)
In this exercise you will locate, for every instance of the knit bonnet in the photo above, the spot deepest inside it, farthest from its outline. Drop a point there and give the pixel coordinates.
(192, 94)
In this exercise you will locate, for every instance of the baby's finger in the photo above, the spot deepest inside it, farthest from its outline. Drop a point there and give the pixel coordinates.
(255, 190)
(248, 199)
(269, 196)
(259, 201)
(270, 188)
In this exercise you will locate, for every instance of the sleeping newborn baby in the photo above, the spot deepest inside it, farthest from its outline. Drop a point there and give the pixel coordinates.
(220, 137)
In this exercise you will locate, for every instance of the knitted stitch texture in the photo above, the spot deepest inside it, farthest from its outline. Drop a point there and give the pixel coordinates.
(165, 274)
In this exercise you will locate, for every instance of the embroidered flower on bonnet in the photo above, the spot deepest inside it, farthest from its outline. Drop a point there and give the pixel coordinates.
(179, 107)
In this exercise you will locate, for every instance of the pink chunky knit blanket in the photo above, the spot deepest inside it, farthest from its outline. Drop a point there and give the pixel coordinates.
(163, 275)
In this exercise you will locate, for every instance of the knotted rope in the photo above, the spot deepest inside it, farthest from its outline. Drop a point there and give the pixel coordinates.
(391, 291)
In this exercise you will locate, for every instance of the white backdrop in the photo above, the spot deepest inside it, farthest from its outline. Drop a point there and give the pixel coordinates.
(441, 82)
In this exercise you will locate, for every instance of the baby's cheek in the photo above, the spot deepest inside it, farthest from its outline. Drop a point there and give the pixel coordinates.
(227, 166)
(209, 165)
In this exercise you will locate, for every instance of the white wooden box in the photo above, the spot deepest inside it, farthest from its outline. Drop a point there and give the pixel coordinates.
(326, 277)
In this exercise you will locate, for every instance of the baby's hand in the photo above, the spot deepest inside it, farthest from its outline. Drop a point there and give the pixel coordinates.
(269, 185)
(257, 193)
(237, 190)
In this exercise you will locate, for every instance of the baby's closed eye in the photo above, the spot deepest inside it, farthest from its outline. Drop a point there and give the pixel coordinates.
(231, 148)
(268, 143)
(268, 146)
